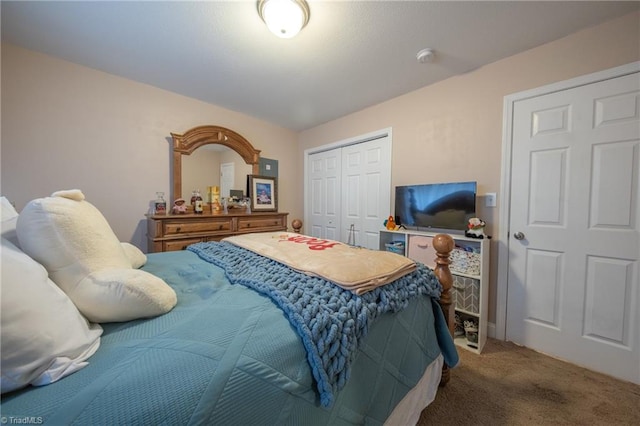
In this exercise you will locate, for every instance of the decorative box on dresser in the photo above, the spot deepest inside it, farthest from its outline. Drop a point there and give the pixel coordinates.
(470, 270)
(176, 232)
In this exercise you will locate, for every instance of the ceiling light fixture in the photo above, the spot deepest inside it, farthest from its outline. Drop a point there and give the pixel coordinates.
(284, 18)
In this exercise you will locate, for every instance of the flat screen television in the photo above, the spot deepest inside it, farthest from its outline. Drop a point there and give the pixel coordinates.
(447, 206)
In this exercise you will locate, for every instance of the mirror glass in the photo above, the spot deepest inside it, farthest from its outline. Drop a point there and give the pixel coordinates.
(214, 165)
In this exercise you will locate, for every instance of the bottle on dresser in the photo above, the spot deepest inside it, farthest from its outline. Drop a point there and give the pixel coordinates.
(160, 205)
(192, 202)
(198, 207)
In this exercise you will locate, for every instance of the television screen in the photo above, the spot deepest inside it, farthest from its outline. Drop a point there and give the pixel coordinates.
(439, 205)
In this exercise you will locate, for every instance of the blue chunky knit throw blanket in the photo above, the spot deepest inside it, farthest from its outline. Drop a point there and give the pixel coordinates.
(330, 320)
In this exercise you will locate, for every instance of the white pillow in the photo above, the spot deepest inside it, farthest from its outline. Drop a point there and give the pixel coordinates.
(74, 242)
(7, 211)
(9, 219)
(44, 337)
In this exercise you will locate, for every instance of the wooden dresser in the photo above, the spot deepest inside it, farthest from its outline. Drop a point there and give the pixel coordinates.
(176, 232)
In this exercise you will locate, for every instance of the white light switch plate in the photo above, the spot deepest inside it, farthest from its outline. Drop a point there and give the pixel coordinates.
(490, 199)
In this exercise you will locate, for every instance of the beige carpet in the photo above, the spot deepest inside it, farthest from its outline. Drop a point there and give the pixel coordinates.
(511, 385)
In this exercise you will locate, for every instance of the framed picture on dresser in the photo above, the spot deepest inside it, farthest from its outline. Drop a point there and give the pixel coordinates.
(263, 192)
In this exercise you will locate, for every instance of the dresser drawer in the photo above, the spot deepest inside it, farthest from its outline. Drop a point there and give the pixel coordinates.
(275, 223)
(208, 225)
(177, 245)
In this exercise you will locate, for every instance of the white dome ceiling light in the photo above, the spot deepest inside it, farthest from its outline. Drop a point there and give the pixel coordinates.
(425, 55)
(284, 18)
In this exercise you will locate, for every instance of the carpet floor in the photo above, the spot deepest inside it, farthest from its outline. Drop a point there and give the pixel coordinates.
(511, 385)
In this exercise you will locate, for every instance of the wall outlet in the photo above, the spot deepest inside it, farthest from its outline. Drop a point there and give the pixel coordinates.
(490, 199)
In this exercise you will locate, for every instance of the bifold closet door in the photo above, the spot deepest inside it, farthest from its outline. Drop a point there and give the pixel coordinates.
(349, 191)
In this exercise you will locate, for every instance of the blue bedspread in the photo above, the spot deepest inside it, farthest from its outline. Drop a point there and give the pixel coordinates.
(330, 320)
(227, 355)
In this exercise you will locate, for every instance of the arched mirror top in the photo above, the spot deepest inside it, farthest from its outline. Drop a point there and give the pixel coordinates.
(185, 144)
(205, 135)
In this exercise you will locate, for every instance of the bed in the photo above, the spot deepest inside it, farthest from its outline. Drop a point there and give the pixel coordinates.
(229, 353)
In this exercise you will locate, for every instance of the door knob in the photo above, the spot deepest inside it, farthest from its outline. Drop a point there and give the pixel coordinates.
(518, 236)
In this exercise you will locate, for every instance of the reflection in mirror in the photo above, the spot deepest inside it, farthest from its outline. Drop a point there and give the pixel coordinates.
(204, 168)
(200, 136)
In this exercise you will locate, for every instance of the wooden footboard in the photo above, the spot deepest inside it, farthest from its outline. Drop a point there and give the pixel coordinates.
(443, 244)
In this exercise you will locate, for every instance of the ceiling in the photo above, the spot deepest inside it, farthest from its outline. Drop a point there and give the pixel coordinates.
(351, 55)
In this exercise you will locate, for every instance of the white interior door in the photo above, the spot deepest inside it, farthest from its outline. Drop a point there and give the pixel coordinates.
(323, 198)
(366, 195)
(573, 280)
(227, 178)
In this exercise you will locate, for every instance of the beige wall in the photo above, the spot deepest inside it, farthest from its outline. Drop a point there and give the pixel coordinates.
(67, 126)
(452, 130)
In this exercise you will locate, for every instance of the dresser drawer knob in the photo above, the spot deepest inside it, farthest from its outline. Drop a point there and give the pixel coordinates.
(178, 229)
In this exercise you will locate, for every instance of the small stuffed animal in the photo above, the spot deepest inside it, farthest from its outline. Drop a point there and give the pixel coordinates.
(390, 223)
(179, 207)
(475, 228)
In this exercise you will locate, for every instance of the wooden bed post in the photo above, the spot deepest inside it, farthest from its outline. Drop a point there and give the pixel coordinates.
(443, 244)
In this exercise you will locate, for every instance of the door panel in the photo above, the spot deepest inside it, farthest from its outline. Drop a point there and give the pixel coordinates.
(324, 197)
(543, 287)
(548, 187)
(367, 192)
(610, 302)
(613, 167)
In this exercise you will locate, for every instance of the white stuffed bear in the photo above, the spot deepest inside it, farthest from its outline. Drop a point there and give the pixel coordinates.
(475, 228)
(74, 242)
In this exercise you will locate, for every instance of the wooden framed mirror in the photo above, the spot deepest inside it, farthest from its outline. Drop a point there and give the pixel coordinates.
(192, 139)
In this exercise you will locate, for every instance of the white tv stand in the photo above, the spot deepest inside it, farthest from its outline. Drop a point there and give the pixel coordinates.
(470, 270)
